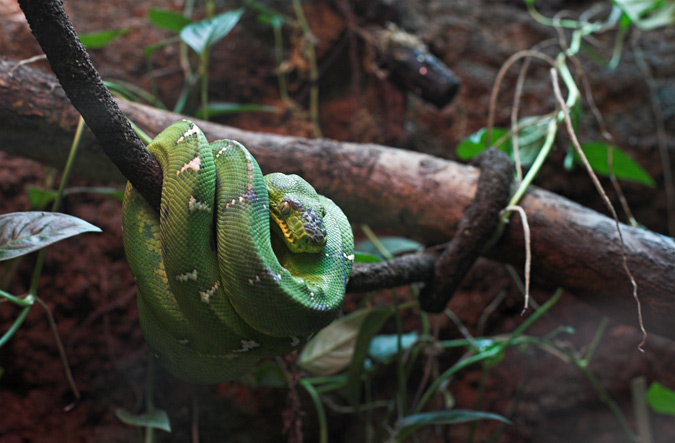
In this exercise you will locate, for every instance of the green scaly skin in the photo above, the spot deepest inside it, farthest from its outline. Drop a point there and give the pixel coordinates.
(216, 290)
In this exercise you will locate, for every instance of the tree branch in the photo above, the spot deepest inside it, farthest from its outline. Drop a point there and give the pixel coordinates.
(406, 193)
(85, 89)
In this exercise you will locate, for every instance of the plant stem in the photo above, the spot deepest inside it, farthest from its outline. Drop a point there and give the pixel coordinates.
(313, 68)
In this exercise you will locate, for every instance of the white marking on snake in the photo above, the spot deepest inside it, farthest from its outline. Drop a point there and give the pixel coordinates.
(194, 205)
(247, 345)
(193, 130)
(193, 164)
(183, 341)
(295, 341)
(187, 276)
(206, 295)
(222, 150)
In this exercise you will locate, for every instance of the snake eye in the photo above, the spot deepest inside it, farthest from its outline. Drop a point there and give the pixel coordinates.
(284, 207)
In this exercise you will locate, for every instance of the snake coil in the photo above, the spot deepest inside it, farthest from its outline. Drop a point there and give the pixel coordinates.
(236, 266)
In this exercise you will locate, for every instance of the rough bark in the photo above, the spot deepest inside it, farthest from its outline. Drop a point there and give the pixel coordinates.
(410, 194)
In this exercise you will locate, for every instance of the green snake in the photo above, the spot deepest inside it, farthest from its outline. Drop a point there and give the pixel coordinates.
(236, 267)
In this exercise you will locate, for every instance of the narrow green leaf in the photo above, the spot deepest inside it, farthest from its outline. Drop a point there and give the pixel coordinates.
(649, 14)
(395, 246)
(408, 425)
(274, 20)
(96, 40)
(156, 418)
(661, 399)
(202, 35)
(624, 167)
(24, 232)
(169, 20)
(221, 108)
(370, 327)
(385, 346)
(364, 257)
(531, 138)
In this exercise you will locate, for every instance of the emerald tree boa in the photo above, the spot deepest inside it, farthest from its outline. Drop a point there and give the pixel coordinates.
(236, 266)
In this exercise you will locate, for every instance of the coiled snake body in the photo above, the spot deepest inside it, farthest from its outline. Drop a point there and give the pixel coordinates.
(218, 290)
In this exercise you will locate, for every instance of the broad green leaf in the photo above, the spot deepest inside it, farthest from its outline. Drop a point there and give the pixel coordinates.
(395, 246)
(221, 108)
(476, 143)
(364, 257)
(169, 20)
(331, 350)
(202, 35)
(623, 166)
(649, 14)
(371, 326)
(24, 232)
(661, 399)
(156, 418)
(96, 40)
(411, 423)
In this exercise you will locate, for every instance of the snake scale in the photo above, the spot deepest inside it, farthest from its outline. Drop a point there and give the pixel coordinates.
(236, 267)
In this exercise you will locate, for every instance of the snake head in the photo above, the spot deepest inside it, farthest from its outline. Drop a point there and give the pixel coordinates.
(296, 213)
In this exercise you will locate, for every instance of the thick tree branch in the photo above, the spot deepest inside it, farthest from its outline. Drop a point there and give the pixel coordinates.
(406, 193)
(85, 89)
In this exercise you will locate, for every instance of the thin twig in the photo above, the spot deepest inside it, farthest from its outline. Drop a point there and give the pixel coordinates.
(500, 77)
(601, 191)
(62, 354)
(528, 250)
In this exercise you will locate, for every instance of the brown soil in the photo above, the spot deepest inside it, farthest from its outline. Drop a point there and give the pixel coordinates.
(88, 288)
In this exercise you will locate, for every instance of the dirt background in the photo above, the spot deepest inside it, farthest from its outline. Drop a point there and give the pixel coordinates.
(88, 287)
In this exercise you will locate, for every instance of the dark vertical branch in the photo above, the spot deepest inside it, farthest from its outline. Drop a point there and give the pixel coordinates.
(85, 89)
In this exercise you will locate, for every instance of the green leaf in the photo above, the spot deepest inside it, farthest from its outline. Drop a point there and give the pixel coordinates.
(274, 20)
(169, 20)
(649, 14)
(331, 350)
(156, 418)
(411, 423)
(201, 36)
(221, 108)
(531, 138)
(39, 197)
(661, 399)
(476, 143)
(370, 327)
(395, 246)
(624, 167)
(364, 257)
(96, 40)
(24, 232)
(385, 346)
(267, 374)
